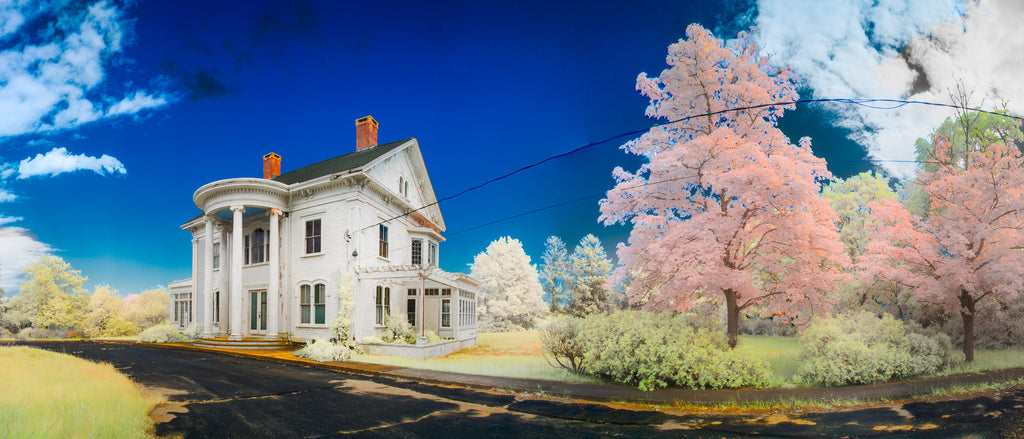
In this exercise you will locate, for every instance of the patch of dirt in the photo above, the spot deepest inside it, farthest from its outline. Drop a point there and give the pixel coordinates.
(163, 411)
(166, 412)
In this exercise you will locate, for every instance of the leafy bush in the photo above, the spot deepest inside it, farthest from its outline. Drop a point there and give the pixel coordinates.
(323, 351)
(657, 349)
(562, 343)
(398, 330)
(432, 336)
(162, 333)
(39, 334)
(192, 332)
(861, 348)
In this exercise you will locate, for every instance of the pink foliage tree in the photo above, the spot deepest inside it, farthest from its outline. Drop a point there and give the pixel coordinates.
(969, 246)
(726, 206)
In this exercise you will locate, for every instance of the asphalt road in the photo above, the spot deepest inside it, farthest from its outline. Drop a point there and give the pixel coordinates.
(214, 395)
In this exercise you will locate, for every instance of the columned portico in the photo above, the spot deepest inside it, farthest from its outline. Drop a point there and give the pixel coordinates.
(274, 275)
(236, 273)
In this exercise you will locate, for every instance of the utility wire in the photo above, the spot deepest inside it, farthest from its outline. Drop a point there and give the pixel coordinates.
(868, 103)
(529, 212)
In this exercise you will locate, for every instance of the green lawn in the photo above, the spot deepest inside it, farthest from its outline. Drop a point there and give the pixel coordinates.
(46, 394)
(782, 353)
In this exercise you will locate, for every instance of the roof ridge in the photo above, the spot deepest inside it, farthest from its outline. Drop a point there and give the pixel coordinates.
(340, 163)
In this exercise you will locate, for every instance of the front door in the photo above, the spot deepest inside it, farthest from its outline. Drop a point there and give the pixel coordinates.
(258, 311)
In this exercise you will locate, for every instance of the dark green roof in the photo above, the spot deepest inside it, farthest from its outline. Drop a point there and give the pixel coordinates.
(342, 163)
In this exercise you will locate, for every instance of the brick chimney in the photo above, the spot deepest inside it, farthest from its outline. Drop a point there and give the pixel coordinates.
(366, 132)
(271, 165)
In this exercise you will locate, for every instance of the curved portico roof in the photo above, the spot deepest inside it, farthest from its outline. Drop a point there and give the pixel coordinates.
(223, 194)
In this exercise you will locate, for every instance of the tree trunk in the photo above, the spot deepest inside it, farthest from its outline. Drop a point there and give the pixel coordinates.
(732, 308)
(967, 314)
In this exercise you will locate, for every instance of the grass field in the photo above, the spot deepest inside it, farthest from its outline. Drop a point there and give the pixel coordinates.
(46, 394)
(512, 354)
(519, 355)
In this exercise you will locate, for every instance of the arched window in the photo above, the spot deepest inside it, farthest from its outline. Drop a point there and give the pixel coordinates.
(383, 305)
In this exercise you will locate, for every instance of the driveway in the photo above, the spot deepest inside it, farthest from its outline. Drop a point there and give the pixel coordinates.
(214, 395)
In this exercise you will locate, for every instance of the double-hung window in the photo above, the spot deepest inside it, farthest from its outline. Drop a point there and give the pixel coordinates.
(260, 246)
(248, 248)
(431, 254)
(417, 251)
(383, 305)
(446, 313)
(216, 255)
(410, 306)
(319, 304)
(313, 236)
(383, 230)
(304, 303)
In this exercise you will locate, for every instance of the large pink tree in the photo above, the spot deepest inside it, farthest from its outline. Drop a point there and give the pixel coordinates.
(726, 205)
(968, 248)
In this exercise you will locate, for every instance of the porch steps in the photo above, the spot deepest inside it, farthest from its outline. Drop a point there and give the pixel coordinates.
(246, 343)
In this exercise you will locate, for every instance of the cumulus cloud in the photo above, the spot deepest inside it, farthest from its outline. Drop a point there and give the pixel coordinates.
(49, 77)
(915, 49)
(58, 161)
(20, 247)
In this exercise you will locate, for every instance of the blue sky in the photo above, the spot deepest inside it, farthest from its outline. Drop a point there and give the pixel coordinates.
(118, 111)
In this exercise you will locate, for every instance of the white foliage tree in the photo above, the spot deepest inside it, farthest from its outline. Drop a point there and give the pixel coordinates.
(590, 268)
(511, 297)
(555, 277)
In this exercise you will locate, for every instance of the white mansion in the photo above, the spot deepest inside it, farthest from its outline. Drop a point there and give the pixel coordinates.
(268, 255)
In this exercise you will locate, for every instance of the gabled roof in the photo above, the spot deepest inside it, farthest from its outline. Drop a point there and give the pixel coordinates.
(352, 160)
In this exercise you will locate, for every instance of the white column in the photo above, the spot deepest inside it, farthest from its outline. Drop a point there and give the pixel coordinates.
(208, 279)
(236, 273)
(195, 278)
(275, 274)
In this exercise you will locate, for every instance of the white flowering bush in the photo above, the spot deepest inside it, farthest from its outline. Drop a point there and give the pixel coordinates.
(324, 351)
(398, 330)
(162, 333)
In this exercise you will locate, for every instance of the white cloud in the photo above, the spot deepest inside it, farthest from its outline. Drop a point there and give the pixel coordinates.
(6, 197)
(915, 49)
(58, 161)
(134, 104)
(20, 248)
(50, 82)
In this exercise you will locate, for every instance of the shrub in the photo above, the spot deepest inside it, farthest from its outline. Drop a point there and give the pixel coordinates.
(162, 333)
(398, 330)
(657, 349)
(192, 332)
(562, 343)
(432, 336)
(323, 351)
(861, 348)
(39, 334)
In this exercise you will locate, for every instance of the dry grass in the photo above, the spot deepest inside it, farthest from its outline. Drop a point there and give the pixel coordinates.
(46, 394)
(510, 354)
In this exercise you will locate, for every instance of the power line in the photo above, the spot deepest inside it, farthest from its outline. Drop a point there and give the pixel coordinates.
(532, 211)
(895, 103)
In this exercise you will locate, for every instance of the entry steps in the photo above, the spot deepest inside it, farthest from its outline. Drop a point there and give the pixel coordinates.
(246, 343)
